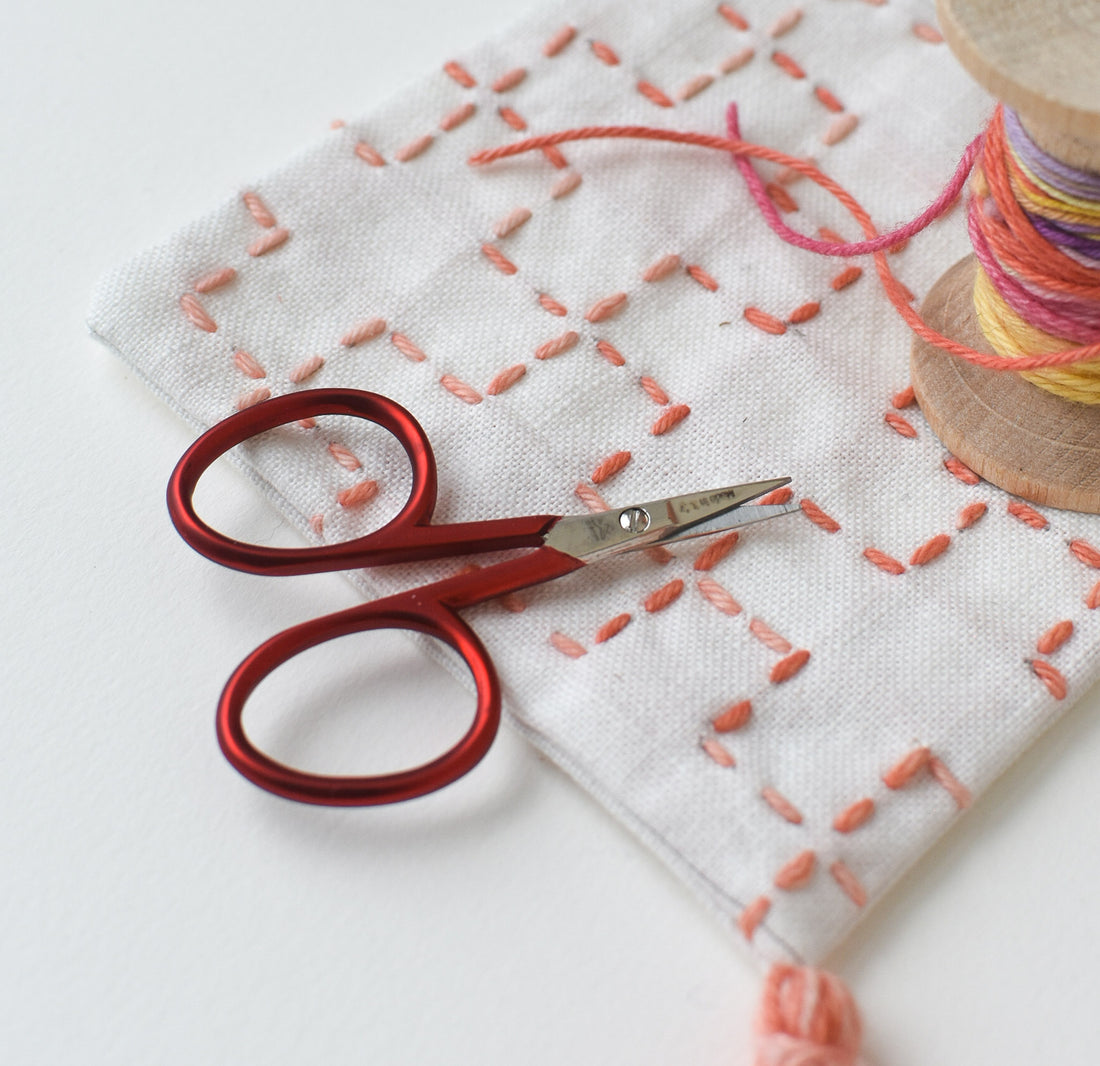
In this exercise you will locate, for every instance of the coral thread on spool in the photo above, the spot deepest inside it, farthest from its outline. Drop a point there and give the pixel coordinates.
(1038, 58)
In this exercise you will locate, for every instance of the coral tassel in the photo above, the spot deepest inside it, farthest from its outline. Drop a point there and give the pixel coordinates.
(807, 1018)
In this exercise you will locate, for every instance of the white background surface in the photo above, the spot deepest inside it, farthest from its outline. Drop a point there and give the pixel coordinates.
(155, 907)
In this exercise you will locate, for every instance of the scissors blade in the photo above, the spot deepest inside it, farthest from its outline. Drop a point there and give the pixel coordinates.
(673, 518)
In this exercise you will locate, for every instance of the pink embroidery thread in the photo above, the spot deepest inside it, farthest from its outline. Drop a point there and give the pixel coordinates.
(610, 467)
(852, 817)
(363, 332)
(748, 921)
(607, 307)
(796, 873)
(781, 805)
(733, 718)
(787, 667)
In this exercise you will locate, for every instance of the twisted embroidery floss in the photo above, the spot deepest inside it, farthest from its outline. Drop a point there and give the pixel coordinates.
(1032, 286)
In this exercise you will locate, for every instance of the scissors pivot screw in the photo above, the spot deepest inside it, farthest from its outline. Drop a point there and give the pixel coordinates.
(634, 520)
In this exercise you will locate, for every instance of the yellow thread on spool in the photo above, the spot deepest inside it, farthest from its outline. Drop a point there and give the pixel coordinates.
(1009, 335)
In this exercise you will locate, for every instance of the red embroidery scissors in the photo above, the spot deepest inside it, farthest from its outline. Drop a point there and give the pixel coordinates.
(561, 545)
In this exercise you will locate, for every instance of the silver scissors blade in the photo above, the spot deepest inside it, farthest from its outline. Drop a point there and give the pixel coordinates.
(674, 518)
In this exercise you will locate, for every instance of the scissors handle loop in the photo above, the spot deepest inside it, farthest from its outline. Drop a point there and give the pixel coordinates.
(430, 610)
(407, 537)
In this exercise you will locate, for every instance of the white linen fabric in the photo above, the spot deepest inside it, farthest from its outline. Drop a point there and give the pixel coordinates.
(936, 664)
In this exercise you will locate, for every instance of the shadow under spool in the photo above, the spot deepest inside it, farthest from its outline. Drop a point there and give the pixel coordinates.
(1038, 57)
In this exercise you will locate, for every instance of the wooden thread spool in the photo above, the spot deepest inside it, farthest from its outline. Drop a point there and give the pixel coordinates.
(1039, 57)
